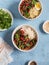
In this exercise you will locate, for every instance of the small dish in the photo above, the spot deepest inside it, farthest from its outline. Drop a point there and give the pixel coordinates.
(15, 43)
(46, 26)
(32, 62)
(35, 12)
(6, 21)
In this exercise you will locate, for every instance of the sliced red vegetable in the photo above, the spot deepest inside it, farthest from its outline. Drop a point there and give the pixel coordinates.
(22, 38)
(28, 10)
(31, 43)
(27, 4)
(15, 40)
(23, 2)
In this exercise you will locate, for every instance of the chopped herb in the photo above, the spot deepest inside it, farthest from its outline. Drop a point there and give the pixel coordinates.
(34, 2)
(5, 19)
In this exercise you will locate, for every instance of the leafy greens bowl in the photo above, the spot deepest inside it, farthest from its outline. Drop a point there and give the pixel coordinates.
(6, 19)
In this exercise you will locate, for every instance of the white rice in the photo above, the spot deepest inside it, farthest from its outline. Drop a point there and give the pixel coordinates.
(28, 31)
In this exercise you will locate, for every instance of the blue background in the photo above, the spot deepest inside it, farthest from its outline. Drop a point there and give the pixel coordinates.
(41, 53)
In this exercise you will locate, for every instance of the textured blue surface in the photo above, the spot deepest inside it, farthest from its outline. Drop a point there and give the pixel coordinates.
(41, 53)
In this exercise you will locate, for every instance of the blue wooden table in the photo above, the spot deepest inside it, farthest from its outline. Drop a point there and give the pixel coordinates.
(41, 53)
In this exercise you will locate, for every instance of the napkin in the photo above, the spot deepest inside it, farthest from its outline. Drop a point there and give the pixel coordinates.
(5, 53)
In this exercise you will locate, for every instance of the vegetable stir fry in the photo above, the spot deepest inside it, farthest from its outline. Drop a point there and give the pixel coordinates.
(29, 8)
(23, 41)
(5, 19)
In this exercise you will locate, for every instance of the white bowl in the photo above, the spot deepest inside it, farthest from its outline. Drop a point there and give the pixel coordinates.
(24, 16)
(17, 28)
(43, 26)
(6, 10)
(32, 61)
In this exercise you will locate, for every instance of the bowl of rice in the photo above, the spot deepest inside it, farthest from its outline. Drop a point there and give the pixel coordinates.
(24, 38)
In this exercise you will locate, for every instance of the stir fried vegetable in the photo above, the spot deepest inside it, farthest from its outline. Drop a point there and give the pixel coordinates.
(5, 19)
(22, 41)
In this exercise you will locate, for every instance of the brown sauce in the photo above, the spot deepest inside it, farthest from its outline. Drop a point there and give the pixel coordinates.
(33, 63)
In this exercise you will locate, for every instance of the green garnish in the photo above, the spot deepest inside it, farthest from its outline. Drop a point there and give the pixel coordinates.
(29, 7)
(21, 45)
(5, 19)
(34, 2)
(17, 36)
(26, 14)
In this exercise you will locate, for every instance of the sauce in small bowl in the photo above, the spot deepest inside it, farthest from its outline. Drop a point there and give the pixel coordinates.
(46, 26)
(32, 63)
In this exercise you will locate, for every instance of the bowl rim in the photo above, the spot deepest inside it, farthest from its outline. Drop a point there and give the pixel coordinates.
(43, 26)
(28, 18)
(6, 10)
(17, 28)
(31, 61)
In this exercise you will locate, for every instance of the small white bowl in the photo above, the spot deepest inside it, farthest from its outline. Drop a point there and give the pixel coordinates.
(17, 28)
(44, 25)
(6, 10)
(31, 61)
(24, 16)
